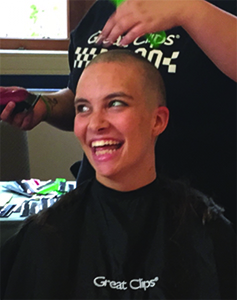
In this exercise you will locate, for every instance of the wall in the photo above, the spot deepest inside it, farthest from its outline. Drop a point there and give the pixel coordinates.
(51, 151)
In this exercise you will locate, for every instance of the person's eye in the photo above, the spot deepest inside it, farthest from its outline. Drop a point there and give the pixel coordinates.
(117, 103)
(82, 108)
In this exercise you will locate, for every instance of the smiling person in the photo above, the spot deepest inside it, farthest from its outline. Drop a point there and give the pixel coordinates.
(117, 120)
(197, 60)
(128, 233)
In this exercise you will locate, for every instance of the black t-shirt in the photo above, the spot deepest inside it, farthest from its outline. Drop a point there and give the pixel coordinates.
(98, 243)
(200, 141)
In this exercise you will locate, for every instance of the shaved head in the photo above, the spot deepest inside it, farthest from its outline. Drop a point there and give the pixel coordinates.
(153, 83)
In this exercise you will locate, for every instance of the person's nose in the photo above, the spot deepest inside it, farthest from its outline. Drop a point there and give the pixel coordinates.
(98, 121)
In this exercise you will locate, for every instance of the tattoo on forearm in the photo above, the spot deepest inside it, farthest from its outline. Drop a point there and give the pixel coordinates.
(52, 102)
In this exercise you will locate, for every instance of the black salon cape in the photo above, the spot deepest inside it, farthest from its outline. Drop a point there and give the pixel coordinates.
(98, 243)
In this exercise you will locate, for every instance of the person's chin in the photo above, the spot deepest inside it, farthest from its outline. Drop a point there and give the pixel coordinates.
(106, 168)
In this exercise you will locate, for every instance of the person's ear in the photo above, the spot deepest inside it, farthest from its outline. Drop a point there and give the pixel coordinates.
(161, 118)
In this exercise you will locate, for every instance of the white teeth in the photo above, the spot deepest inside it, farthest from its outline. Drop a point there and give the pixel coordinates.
(101, 152)
(103, 143)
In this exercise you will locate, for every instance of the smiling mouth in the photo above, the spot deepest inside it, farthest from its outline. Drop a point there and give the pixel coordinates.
(105, 146)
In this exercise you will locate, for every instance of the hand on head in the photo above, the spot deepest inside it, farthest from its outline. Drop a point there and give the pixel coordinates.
(135, 18)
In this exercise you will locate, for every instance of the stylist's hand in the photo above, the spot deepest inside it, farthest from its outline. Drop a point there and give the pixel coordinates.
(134, 18)
(24, 120)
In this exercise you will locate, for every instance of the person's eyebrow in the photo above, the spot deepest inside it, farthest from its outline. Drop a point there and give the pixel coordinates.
(118, 94)
(78, 100)
(110, 96)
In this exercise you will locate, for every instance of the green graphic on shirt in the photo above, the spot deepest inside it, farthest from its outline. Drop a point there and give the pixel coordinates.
(117, 2)
(155, 39)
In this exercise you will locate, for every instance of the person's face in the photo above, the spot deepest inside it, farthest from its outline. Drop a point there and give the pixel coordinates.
(116, 127)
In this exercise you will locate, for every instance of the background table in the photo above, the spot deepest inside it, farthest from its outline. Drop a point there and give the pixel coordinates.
(10, 225)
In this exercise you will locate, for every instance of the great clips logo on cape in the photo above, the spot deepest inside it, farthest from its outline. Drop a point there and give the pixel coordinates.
(134, 284)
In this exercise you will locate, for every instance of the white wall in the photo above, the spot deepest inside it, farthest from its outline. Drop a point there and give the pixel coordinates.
(29, 62)
(52, 152)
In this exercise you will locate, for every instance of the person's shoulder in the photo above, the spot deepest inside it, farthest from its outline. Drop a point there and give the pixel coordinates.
(187, 203)
(195, 218)
(61, 210)
(199, 231)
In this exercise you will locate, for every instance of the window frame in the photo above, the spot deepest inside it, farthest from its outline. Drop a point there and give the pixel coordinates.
(76, 9)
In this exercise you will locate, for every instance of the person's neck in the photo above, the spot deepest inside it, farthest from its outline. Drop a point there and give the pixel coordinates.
(128, 182)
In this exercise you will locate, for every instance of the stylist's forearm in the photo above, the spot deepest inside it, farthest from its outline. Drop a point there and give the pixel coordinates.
(60, 109)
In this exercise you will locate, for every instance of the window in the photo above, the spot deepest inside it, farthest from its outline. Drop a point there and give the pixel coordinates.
(39, 25)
